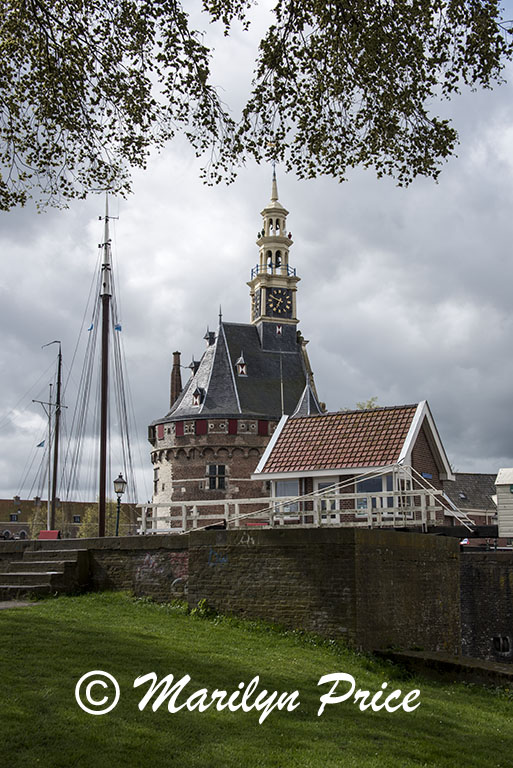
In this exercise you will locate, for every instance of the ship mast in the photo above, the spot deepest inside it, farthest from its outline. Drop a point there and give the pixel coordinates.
(56, 440)
(105, 294)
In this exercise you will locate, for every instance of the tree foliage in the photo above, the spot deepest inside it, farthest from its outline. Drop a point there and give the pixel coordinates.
(88, 87)
(89, 525)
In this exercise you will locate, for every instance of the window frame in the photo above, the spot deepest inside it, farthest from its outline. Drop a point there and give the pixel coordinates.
(216, 477)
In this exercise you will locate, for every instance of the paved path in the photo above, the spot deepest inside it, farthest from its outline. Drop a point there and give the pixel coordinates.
(14, 604)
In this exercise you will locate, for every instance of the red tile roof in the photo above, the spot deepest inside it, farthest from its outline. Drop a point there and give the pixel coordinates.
(347, 439)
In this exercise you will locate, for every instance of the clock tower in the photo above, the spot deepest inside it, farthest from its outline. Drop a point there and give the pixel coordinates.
(273, 281)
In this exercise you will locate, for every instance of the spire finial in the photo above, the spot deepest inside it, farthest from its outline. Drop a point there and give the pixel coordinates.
(220, 315)
(274, 189)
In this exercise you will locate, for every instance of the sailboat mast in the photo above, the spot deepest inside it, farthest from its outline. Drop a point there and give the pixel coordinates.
(105, 294)
(56, 441)
(48, 503)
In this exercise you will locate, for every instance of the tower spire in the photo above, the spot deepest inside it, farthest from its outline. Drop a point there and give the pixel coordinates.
(274, 188)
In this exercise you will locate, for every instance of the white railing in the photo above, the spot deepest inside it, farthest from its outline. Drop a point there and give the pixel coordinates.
(386, 509)
(407, 505)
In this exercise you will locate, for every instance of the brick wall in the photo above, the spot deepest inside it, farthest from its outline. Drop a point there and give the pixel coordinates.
(423, 461)
(181, 460)
(408, 588)
(155, 566)
(487, 605)
(375, 588)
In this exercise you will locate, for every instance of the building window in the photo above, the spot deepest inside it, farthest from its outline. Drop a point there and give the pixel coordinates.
(287, 488)
(160, 431)
(76, 518)
(13, 517)
(242, 369)
(155, 480)
(327, 488)
(370, 485)
(216, 477)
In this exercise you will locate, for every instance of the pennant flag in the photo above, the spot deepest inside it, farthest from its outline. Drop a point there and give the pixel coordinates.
(117, 327)
(41, 444)
(91, 327)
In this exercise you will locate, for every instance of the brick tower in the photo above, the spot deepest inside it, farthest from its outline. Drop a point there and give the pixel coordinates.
(218, 426)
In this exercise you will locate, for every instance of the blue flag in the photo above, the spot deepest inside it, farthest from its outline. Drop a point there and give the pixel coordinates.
(91, 327)
(117, 327)
(41, 444)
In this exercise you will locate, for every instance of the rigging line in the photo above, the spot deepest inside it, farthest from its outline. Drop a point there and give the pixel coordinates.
(40, 477)
(122, 386)
(26, 471)
(7, 417)
(133, 421)
(121, 405)
(95, 281)
(79, 422)
(83, 376)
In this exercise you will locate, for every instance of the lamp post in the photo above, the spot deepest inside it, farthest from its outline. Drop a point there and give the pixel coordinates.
(119, 489)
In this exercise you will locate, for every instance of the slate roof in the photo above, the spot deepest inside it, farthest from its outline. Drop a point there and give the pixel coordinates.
(308, 404)
(347, 439)
(258, 394)
(477, 490)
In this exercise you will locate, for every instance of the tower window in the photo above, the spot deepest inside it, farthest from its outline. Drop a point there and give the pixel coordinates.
(155, 480)
(278, 259)
(198, 396)
(216, 476)
(242, 369)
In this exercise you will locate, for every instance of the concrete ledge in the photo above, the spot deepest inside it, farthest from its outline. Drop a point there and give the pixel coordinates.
(442, 666)
(146, 543)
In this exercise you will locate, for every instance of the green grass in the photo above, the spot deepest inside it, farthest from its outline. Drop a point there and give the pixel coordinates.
(48, 647)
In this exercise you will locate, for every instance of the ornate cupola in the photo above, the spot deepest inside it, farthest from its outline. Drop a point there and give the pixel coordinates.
(273, 280)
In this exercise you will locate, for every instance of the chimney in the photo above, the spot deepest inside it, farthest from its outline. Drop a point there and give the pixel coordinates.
(176, 379)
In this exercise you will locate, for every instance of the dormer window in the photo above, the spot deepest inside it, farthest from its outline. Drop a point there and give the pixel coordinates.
(242, 369)
(198, 396)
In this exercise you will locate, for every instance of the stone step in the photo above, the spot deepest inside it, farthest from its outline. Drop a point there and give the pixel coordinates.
(39, 566)
(22, 580)
(52, 554)
(14, 591)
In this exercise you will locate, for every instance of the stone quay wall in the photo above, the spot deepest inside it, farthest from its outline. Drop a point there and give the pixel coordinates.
(374, 588)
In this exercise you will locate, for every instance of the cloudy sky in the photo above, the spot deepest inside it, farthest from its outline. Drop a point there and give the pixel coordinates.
(405, 294)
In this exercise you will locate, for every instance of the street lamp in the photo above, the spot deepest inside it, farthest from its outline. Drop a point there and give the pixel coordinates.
(119, 489)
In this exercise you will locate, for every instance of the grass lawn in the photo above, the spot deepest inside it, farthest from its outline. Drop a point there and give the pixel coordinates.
(48, 647)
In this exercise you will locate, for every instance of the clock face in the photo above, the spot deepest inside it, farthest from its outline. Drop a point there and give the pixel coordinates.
(279, 302)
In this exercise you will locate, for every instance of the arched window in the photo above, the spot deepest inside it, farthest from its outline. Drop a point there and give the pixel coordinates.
(278, 259)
